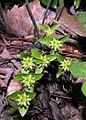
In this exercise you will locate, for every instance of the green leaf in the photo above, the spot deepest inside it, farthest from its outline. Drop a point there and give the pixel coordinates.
(38, 61)
(45, 40)
(14, 95)
(59, 57)
(38, 70)
(83, 88)
(37, 76)
(19, 76)
(31, 95)
(36, 53)
(78, 69)
(23, 55)
(51, 57)
(43, 27)
(54, 27)
(65, 38)
(84, 26)
(77, 3)
(61, 2)
(23, 110)
(53, 3)
(60, 72)
(82, 17)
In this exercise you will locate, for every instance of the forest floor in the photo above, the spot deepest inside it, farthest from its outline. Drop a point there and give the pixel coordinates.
(56, 99)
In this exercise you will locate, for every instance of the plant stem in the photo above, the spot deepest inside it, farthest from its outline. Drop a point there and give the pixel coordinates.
(48, 5)
(32, 18)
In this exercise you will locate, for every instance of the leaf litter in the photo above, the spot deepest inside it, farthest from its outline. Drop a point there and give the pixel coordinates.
(55, 99)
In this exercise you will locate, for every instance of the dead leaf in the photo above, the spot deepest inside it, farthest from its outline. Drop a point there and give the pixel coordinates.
(18, 21)
(72, 23)
(13, 87)
(5, 54)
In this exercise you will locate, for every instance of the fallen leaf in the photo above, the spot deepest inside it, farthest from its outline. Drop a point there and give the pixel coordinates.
(13, 87)
(72, 23)
(18, 21)
(5, 54)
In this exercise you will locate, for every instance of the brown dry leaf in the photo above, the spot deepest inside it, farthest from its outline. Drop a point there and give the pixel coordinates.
(5, 54)
(13, 87)
(18, 21)
(71, 22)
(16, 64)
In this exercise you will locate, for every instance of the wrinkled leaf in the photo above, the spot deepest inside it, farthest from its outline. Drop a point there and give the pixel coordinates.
(78, 69)
(83, 88)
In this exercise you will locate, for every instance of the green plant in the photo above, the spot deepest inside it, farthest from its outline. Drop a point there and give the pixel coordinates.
(82, 19)
(77, 3)
(34, 64)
